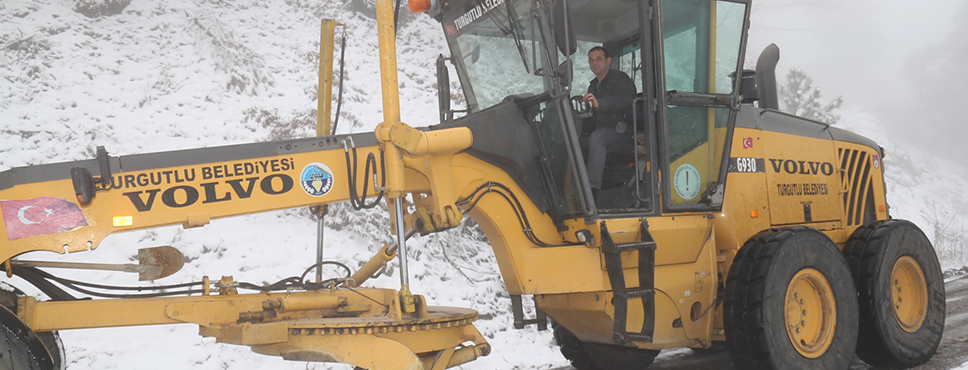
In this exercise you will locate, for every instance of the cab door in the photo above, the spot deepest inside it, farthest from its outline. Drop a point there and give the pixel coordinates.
(702, 44)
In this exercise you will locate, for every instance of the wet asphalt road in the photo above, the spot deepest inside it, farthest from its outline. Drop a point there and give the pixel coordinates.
(952, 353)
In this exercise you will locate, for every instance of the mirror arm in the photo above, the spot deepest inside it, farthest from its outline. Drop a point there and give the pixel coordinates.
(443, 89)
(534, 41)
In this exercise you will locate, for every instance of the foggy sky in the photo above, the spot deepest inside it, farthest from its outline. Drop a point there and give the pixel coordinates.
(901, 61)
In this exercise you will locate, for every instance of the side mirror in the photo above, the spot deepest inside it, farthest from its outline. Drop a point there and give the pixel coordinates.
(83, 185)
(443, 89)
(564, 33)
(475, 54)
(566, 72)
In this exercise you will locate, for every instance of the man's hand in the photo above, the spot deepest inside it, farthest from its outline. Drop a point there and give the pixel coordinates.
(591, 99)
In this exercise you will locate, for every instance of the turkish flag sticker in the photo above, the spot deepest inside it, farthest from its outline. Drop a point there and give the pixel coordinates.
(40, 216)
(747, 142)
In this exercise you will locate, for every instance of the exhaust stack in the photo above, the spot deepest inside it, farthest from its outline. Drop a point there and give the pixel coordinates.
(766, 77)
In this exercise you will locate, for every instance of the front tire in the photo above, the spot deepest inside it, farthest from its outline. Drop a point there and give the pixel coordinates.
(790, 303)
(51, 340)
(595, 356)
(22, 349)
(900, 291)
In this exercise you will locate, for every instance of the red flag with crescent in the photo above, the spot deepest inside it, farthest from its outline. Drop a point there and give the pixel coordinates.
(747, 142)
(40, 216)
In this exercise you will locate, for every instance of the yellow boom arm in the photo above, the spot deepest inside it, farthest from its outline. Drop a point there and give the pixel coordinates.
(41, 210)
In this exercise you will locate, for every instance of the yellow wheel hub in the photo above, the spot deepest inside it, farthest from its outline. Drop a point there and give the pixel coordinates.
(810, 313)
(909, 294)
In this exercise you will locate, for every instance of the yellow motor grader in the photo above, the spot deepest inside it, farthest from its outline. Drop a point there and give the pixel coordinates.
(726, 221)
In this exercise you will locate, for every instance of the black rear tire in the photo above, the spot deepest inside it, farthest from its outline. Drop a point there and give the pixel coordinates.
(55, 347)
(762, 307)
(51, 340)
(892, 334)
(21, 349)
(596, 356)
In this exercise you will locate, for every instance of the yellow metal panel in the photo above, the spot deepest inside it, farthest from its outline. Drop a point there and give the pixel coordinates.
(189, 195)
(687, 277)
(249, 334)
(745, 192)
(684, 285)
(801, 172)
(583, 314)
(523, 269)
(563, 269)
(678, 239)
(589, 317)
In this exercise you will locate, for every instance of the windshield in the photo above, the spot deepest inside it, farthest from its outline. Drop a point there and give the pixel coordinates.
(490, 41)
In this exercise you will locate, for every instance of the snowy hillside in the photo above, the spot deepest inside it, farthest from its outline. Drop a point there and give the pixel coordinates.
(179, 74)
(921, 188)
(174, 74)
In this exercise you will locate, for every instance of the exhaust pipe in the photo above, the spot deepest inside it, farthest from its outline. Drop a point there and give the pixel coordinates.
(766, 77)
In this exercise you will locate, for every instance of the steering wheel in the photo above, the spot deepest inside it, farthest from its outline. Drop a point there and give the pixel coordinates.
(581, 107)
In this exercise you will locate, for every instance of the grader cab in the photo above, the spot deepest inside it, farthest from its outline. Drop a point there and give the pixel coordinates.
(725, 221)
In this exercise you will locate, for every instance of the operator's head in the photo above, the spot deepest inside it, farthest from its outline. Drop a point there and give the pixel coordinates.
(598, 61)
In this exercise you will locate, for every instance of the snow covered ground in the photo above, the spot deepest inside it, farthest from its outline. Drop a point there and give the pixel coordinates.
(174, 74)
(180, 74)
(922, 188)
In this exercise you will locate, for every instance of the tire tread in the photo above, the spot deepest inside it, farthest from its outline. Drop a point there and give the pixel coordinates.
(744, 313)
(865, 250)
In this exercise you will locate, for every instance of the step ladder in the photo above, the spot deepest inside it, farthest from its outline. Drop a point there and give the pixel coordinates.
(645, 291)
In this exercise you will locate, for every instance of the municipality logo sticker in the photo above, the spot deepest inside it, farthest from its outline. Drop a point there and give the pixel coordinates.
(316, 179)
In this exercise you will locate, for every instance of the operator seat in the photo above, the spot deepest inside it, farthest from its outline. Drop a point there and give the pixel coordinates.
(620, 157)
(618, 182)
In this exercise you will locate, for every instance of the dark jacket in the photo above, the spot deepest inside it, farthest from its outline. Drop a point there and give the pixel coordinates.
(614, 94)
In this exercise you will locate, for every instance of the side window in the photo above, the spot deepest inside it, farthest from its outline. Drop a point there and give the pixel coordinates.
(581, 72)
(701, 44)
(630, 62)
(680, 61)
(547, 120)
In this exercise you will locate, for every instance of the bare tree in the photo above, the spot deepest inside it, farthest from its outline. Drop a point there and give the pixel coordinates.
(949, 237)
(799, 97)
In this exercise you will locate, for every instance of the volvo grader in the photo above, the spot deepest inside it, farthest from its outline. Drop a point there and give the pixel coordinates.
(728, 221)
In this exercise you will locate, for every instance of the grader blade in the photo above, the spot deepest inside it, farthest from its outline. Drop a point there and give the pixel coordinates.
(439, 338)
(363, 351)
(364, 327)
